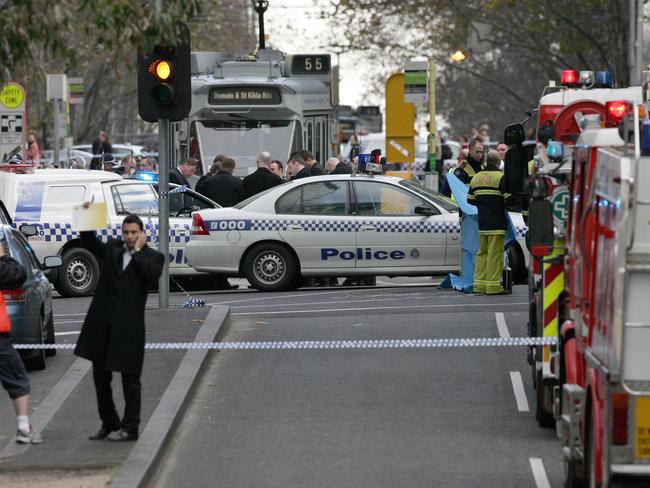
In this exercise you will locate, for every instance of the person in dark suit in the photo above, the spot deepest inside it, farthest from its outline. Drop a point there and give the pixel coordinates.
(311, 164)
(262, 179)
(336, 167)
(181, 174)
(224, 188)
(113, 334)
(101, 145)
(214, 169)
(296, 167)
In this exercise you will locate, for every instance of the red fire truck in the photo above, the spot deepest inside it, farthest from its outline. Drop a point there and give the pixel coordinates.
(601, 368)
(563, 113)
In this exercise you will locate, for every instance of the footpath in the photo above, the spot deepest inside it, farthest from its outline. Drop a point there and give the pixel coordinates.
(66, 412)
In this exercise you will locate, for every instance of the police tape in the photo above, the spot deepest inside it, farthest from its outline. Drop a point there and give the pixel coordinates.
(336, 344)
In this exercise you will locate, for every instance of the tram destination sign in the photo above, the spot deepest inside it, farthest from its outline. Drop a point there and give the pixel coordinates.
(245, 95)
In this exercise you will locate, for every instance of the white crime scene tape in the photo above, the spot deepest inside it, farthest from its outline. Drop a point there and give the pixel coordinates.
(337, 344)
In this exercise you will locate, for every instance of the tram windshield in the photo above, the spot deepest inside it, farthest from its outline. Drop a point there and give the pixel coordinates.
(244, 139)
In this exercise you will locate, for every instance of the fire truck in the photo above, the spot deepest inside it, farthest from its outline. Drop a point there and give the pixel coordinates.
(600, 258)
(563, 113)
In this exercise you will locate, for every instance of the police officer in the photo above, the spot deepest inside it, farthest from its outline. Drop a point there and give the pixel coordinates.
(487, 192)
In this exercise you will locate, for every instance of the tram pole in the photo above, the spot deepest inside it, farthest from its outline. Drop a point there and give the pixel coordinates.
(260, 7)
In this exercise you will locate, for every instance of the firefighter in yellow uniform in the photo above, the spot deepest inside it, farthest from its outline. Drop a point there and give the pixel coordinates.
(486, 191)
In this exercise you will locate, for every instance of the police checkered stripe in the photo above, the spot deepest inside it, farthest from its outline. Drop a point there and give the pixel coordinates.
(317, 225)
(338, 344)
(62, 232)
(521, 231)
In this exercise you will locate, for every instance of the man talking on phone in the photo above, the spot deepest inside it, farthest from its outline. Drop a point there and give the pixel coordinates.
(113, 334)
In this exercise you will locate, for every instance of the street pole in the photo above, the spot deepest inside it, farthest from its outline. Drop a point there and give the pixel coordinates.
(431, 157)
(164, 157)
(638, 44)
(57, 132)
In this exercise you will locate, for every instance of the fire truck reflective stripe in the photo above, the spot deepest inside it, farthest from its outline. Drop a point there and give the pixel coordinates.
(336, 344)
(552, 289)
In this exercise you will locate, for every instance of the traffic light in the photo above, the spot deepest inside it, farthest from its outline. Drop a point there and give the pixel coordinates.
(164, 81)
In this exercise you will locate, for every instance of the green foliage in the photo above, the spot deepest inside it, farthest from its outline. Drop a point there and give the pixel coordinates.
(513, 47)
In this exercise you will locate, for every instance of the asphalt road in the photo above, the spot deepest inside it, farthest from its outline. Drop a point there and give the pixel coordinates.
(387, 417)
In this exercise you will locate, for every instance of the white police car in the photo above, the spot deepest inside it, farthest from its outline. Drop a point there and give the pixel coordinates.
(45, 198)
(336, 225)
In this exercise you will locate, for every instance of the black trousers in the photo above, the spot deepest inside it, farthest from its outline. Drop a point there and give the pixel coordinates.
(132, 393)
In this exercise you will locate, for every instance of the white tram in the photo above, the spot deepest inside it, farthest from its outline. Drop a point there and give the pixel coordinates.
(243, 105)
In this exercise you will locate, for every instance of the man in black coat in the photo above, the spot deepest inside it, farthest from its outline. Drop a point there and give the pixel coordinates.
(101, 145)
(336, 167)
(296, 167)
(262, 179)
(311, 164)
(113, 334)
(224, 188)
(181, 174)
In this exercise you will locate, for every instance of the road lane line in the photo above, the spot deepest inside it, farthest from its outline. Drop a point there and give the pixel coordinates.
(67, 333)
(539, 473)
(520, 394)
(362, 309)
(501, 325)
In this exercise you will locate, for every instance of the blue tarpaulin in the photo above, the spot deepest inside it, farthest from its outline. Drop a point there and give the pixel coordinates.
(469, 240)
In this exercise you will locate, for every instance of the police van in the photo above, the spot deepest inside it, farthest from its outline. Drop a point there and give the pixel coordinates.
(336, 225)
(45, 198)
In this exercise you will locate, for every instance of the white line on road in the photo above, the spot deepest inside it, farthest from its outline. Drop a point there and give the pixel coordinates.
(520, 394)
(501, 325)
(362, 309)
(539, 473)
(62, 322)
(67, 333)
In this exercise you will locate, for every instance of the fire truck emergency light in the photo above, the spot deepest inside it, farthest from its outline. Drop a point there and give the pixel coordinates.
(587, 78)
(569, 77)
(615, 110)
(603, 79)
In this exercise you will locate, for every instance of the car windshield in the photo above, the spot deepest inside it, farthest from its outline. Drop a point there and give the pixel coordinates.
(244, 139)
(447, 203)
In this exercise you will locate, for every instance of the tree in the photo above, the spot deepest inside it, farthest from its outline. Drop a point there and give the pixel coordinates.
(41, 36)
(514, 47)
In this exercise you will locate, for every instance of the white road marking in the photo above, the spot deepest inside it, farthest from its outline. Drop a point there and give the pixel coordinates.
(520, 394)
(61, 322)
(501, 325)
(67, 333)
(362, 309)
(68, 314)
(298, 295)
(539, 473)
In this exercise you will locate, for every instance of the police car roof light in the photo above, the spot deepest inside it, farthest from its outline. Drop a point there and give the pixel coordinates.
(149, 176)
(603, 79)
(569, 77)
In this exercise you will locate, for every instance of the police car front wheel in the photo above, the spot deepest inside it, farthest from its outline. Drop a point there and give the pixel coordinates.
(79, 274)
(270, 267)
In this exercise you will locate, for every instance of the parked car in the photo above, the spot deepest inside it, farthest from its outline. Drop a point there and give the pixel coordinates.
(30, 306)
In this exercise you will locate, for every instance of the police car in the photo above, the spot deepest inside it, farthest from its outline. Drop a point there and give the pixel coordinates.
(336, 225)
(45, 198)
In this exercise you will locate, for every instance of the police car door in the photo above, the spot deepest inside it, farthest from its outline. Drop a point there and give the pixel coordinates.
(181, 206)
(389, 231)
(315, 220)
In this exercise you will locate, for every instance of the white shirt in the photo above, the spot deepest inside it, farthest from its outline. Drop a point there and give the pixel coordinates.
(126, 257)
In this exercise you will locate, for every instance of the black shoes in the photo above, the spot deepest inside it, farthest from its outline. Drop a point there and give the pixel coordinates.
(122, 436)
(101, 434)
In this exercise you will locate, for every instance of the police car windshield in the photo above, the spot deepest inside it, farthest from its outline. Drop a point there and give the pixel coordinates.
(436, 197)
(244, 139)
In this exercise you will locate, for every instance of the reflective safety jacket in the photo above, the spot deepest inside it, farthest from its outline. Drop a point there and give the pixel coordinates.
(12, 275)
(487, 192)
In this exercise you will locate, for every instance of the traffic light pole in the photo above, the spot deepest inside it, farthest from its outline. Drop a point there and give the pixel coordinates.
(164, 158)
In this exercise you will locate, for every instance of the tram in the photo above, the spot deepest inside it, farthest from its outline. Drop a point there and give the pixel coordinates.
(268, 101)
